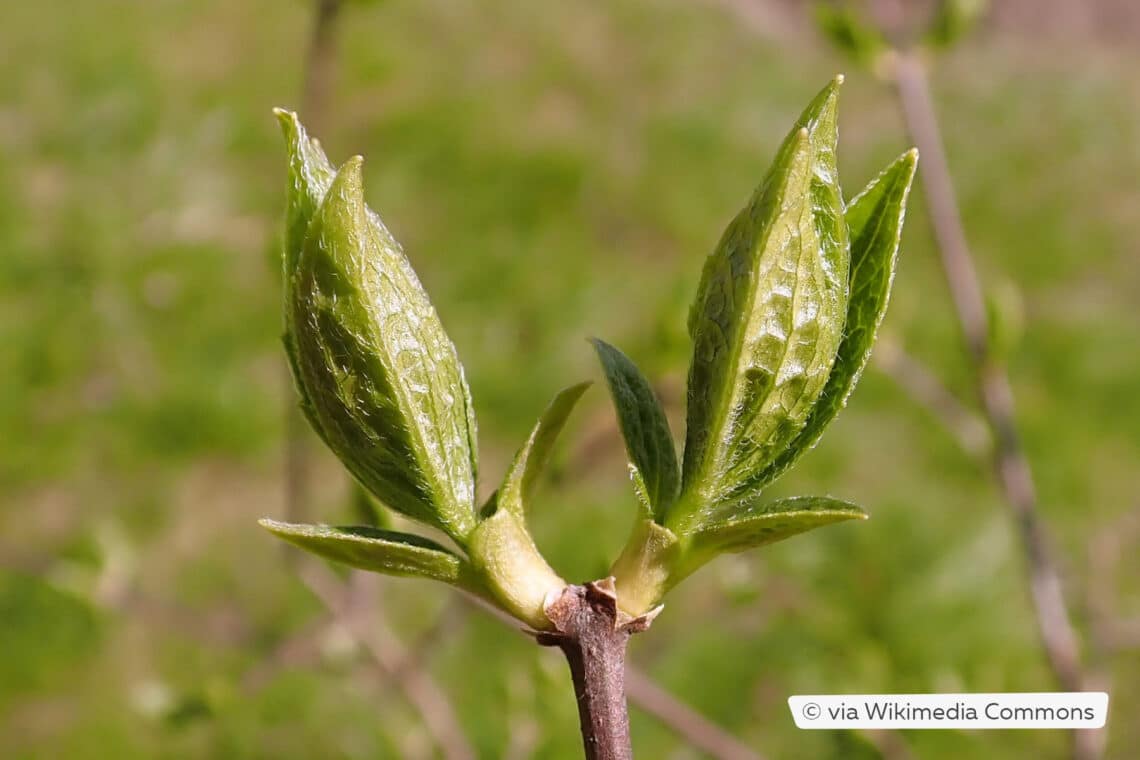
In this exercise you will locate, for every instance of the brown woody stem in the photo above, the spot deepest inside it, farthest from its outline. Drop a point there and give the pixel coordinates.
(593, 634)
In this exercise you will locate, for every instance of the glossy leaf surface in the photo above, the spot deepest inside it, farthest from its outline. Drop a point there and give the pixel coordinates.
(382, 379)
(648, 441)
(746, 528)
(381, 551)
(768, 318)
(875, 220)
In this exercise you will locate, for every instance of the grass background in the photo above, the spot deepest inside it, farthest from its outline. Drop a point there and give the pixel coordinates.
(555, 172)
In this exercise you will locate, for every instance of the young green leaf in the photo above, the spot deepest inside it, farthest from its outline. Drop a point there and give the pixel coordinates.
(310, 175)
(381, 551)
(737, 528)
(768, 318)
(518, 486)
(381, 378)
(653, 458)
(875, 219)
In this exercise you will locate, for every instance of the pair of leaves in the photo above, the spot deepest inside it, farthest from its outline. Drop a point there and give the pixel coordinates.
(379, 379)
(382, 385)
(783, 325)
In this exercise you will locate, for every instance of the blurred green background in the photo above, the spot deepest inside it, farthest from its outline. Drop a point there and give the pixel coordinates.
(554, 171)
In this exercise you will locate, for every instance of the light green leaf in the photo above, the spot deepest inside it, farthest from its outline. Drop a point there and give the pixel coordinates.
(310, 175)
(529, 462)
(737, 528)
(767, 320)
(505, 557)
(648, 441)
(379, 375)
(875, 219)
(381, 551)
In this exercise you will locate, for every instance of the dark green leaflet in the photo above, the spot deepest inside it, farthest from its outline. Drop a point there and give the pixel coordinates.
(648, 441)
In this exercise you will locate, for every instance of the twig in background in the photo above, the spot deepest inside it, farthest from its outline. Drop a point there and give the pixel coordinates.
(320, 65)
(1059, 639)
(697, 730)
(319, 70)
(906, 71)
(422, 692)
(924, 387)
(1009, 461)
(1107, 633)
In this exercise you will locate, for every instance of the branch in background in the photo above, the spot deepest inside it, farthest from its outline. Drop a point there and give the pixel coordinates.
(1010, 464)
(320, 67)
(1107, 633)
(923, 386)
(690, 725)
(421, 691)
(1059, 638)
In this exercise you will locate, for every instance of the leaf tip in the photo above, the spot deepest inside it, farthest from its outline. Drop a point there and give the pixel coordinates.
(597, 342)
(273, 526)
(354, 164)
(838, 81)
(290, 125)
(348, 185)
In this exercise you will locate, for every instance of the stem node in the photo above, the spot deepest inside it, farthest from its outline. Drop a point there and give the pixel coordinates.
(593, 635)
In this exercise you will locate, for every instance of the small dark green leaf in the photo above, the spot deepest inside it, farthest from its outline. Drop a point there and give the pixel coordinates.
(381, 551)
(380, 379)
(648, 441)
(529, 462)
(746, 527)
(875, 219)
(768, 318)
